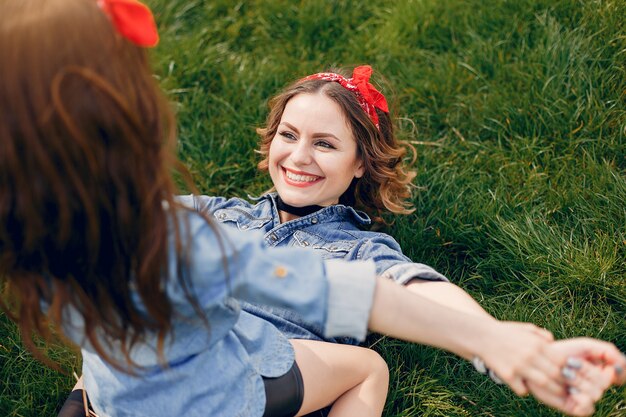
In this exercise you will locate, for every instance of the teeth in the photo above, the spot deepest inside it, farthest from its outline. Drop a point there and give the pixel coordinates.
(300, 178)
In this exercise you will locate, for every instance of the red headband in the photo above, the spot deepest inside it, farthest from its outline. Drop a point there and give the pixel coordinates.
(368, 97)
(133, 20)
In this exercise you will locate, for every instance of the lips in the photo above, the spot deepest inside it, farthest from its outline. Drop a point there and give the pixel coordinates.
(300, 179)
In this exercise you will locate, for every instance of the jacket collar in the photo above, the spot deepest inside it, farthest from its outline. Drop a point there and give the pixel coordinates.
(336, 211)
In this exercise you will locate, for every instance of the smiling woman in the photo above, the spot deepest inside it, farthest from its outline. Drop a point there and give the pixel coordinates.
(313, 157)
(348, 136)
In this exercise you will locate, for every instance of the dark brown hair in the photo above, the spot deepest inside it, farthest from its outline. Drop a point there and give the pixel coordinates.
(386, 184)
(86, 157)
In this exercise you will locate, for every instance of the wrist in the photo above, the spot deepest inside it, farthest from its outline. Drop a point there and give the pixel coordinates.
(479, 338)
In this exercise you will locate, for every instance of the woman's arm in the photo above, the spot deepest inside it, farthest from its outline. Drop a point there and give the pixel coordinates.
(201, 203)
(418, 278)
(521, 354)
(346, 297)
(447, 294)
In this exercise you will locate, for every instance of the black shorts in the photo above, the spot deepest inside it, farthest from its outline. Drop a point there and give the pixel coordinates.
(74, 406)
(284, 395)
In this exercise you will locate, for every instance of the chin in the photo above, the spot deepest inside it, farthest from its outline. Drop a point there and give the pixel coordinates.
(294, 201)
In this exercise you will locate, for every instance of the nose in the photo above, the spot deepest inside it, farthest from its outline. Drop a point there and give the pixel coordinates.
(301, 153)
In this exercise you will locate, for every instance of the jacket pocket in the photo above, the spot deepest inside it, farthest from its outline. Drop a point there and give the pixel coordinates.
(328, 249)
(242, 218)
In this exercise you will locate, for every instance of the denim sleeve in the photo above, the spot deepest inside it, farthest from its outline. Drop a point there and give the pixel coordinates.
(349, 297)
(201, 203)
(391, 263)
(332, 294)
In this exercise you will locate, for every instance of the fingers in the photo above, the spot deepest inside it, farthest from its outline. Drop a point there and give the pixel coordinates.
(620, 374)
(597, 352)
(591, 380)
(580, 405)
(518, 385)
(539, 331)
(545, 373)
(586, 383)
(593, 350)
(543, 333)
(569, 384)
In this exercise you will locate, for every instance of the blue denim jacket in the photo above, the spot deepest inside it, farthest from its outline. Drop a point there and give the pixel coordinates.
(217, 372)
(335, 232)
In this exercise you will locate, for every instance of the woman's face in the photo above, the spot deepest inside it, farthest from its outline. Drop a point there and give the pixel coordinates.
(313, 157)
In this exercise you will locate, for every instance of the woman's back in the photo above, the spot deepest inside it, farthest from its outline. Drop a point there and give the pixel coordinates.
(93, 242)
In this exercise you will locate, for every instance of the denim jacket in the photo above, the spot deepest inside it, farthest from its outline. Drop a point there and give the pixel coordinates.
(335, 232)
(218, 371)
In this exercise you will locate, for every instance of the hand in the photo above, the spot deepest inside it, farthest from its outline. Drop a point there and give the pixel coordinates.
(585, 387)
(602, 354)
(515, 353)
(596, 366)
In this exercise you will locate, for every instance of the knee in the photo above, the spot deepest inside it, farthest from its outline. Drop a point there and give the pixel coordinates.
(378, 367)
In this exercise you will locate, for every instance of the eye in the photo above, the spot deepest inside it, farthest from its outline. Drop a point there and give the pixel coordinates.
(324, 144)
(287, 135)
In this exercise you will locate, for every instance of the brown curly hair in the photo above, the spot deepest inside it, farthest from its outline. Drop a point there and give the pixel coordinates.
(387, 183)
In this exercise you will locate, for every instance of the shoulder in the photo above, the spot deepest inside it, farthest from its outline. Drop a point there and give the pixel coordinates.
(339, 239)
(212, 204)
(244, 214)
(378, 247)
(209, 203)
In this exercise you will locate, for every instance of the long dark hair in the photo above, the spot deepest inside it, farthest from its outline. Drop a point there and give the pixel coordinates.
(86, 156)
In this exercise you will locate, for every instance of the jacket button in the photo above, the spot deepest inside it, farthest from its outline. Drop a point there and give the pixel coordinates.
(280, 272)
(314, 220)
(305, 243)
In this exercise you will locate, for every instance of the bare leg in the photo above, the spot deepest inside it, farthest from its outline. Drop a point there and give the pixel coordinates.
(447, 294)
(354, 379)
(79, 384)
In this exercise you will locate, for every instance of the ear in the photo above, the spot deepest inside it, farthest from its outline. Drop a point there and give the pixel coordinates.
(360, 169)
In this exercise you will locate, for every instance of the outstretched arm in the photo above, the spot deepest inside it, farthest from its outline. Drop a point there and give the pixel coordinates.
(521, 354)
(504, 346)
(447, 294)
(419, 278)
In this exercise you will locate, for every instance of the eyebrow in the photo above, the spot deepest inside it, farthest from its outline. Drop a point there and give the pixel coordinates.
(315, 135)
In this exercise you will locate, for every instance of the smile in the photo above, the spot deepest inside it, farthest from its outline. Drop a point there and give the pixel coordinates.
(300, 178)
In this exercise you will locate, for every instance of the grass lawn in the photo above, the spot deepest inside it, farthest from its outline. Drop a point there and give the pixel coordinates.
(518, 113)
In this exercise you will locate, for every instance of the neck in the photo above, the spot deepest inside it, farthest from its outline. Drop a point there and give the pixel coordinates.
(286, 217)
(288, 212)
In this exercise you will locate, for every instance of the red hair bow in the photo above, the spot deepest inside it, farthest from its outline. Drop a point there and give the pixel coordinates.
(133, 20)
(367, 95)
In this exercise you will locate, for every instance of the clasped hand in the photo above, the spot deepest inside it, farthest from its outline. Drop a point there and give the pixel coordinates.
(570, 375)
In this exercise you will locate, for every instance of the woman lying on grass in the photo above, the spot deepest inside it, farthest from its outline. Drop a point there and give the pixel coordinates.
(331, 153)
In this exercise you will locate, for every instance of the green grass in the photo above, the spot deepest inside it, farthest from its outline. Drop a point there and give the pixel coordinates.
(518, 112)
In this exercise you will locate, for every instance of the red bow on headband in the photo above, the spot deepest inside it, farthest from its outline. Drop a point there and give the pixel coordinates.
(133, 20)
(368, 97)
